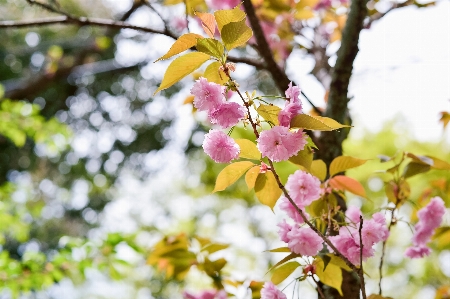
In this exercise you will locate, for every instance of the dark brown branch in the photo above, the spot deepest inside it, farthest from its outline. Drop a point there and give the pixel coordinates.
(279, 76)
(82, 21)
(330, 143)
(379, 15)
(361, 247)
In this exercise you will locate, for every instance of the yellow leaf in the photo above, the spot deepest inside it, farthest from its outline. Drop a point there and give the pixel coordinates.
(342, 163)
(303, 158)
(319, 169)
(226, 16)
(231, 174)
(344, 183)
(251, 176)
(332, 276)
(318, 123)
(214, 74)
(280, 249)
(235, 34)
(183, 43)
(336, 35)
(304, 14)
(266, 189)
(208, 23)
(189, 100)
(335, 260)
(248, 149)
(306, 3)
(445, 118)
(269, 112)
(181, 67)
(439, 164)
(281, 273)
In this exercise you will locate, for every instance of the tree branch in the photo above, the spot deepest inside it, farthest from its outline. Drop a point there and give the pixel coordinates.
(338, 96)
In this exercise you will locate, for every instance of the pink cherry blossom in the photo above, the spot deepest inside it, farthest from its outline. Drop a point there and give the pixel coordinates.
(227, 114)
(208, 294)
(291, 211)
(304, 241)
(285, 228)
(270, 291)
(293, 93)
(208, 95)
(417, 251)
(220, 147)
(348, 241)
(278, 143)
(287, 113)
(303, 187)
(353, 214)
(430, 218)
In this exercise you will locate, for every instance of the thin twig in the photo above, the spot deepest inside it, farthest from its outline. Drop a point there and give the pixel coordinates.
(383, 252)
(319, 290)
(361, 270)
(186, 14)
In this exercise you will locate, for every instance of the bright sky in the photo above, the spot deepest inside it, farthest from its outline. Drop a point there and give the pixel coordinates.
(403, 68)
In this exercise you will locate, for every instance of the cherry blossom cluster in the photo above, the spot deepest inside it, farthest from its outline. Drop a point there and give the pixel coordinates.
(278, 143)
(348, 241)
(303, 189)
(430, 218)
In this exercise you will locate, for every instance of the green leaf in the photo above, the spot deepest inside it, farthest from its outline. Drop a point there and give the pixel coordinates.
(342, 163)
(227, 16)
(251, 176)
(331, 276)
(230, 174)
(319, 169)
(213, 73)
(235, 34)
(183, 43)
(269, 113)
(181, 67)
(211, 47)
(248, 149)
(344, 183)
(2, 91)
(266, 189)
(281, 273)
(413, 168)
(317, 123)
(303, 158)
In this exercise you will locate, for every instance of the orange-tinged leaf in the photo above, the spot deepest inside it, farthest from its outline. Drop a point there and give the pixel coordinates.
(181, 67)
(230, 174)
(281, 273)
(317, 123)
(342, 163)
(248, 149)
(183, 43)
(251, 176)
(266, 189)
(208, 23)
(226, 16)
(344, 183)
(319, 169)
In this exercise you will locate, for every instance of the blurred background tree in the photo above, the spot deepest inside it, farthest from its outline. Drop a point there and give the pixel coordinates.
(95, 169)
